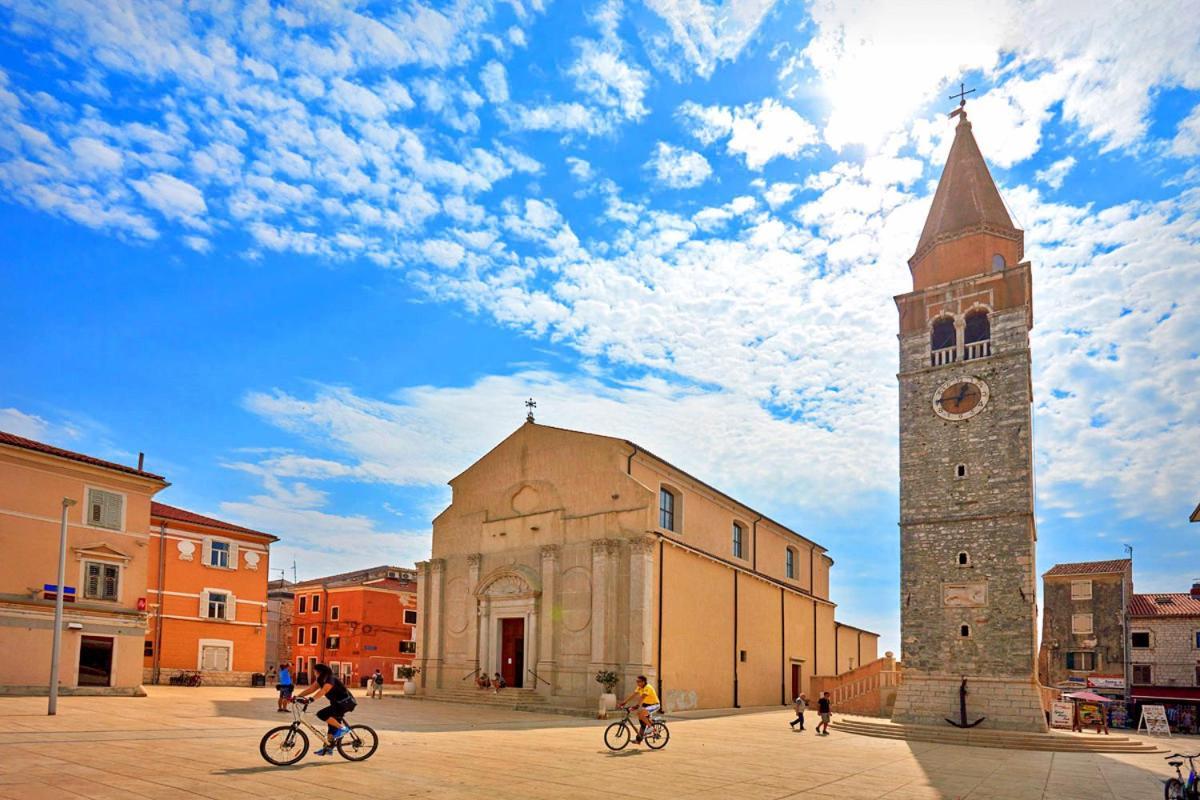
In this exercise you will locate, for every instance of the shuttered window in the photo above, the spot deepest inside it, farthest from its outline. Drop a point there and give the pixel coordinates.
(103, 581)
(218, 604)
(104, 509)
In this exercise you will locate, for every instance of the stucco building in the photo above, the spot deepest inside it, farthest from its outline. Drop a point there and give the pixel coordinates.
(1084, 625)
(207, 584)
(564, 553)
(1164, 632)
(107, 560)
(968, 585)
(356, 622)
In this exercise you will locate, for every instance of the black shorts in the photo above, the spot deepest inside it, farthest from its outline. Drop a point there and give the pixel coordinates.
(286, 689)
(337, 710)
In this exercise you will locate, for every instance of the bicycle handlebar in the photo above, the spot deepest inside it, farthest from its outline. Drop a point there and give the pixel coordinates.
(1181, 755)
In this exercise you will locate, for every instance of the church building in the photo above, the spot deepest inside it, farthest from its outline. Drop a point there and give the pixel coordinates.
(968, 586)
(565, 553)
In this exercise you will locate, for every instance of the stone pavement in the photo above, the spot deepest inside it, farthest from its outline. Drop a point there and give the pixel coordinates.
(203, 743)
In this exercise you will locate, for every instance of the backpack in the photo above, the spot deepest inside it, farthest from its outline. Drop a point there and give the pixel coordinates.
(378, 679)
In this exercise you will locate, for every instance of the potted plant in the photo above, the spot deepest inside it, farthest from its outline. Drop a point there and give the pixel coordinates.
(608, 679)
(406, 673)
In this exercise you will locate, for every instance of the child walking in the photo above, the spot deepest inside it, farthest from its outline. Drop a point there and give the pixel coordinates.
(801, 705)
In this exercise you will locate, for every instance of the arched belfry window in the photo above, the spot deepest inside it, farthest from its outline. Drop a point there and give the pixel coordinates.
(942, 340)
(998, 264)
(964, 560)
(977, 335)
(964, 631)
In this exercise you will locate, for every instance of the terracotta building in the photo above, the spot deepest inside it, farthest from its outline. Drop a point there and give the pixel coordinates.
(1084, 626)
(563, 553)
(280, 605)
(356, 622)
(1164, 633)
(207, 584)
(968, 584)
(108, 532)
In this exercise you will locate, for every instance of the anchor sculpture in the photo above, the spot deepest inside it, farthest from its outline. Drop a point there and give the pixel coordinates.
(962, 709)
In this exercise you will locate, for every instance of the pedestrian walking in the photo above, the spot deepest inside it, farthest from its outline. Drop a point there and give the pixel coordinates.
(825, 712)
(376, 689)
(285, 687)
(801, 706)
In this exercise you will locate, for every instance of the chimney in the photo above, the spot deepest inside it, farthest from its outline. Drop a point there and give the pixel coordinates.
(1196, 588)
(141, 461)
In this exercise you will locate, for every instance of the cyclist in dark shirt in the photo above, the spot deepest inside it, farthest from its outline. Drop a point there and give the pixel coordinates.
(341, 702)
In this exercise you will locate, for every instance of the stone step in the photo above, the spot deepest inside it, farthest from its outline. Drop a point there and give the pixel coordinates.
(511, 701)
(1015, 740)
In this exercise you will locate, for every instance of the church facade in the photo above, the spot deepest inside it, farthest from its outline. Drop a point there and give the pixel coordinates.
(565, 553)
(967, 537)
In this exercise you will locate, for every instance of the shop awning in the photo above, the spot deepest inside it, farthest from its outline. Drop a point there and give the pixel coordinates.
(1166, 693)
(1087, 697)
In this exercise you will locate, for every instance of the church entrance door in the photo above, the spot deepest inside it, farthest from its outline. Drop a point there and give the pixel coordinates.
(512, 651)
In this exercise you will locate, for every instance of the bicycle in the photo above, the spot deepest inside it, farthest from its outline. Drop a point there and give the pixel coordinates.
(1177, 788)
(287, 744)
(618, 735)
(186, 679)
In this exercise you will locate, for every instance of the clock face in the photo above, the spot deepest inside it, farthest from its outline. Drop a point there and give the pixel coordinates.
(960, 398)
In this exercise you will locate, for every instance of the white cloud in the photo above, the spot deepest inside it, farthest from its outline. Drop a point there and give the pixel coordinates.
(759, 132)
(1054, 175)
(581, 170)
(494, 81)
(30, 426)
(606, 78)
(173, 198)
(708, 32)
(1187, 136)
(443, 253)
(678, 167)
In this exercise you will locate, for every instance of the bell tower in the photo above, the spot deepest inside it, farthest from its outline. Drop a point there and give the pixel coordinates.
(968, 603)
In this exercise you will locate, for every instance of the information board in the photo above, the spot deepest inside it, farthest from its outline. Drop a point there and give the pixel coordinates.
(1154, 721)
(1060, 714)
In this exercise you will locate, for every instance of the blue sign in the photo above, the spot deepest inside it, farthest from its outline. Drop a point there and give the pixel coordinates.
(53, 587)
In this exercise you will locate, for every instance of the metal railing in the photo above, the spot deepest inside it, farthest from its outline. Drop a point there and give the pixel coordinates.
(537, 677)
(469, 674)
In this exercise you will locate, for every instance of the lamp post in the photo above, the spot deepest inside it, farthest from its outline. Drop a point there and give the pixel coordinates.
(56, 645)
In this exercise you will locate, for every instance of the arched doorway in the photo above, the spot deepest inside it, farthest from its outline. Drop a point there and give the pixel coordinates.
(508, 624)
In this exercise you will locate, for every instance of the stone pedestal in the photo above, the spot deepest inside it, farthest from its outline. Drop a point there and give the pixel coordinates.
(1006, 703)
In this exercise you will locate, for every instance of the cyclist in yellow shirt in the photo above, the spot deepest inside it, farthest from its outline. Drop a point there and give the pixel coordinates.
(645, 705)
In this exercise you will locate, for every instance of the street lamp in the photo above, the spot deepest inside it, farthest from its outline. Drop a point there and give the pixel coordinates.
(56, 645)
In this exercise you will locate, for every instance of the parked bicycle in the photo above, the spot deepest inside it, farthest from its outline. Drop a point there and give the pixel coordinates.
(186, 679)
(1179, 788)
(287, 744)
(618, 735)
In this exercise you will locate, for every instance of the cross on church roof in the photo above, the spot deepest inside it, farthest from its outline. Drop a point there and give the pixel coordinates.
(963, 91)
(531, 405)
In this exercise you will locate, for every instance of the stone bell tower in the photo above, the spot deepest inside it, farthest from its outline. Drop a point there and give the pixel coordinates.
(968, 607)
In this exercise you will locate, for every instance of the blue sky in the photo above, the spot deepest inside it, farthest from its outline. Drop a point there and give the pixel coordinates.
(311, 258)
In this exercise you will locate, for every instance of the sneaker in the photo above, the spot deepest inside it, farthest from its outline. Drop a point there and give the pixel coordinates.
(327, 750)
(340, 732)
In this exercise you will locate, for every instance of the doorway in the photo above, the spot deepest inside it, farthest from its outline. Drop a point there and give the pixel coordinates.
(95, 660)
(512, 651)
(795, 681)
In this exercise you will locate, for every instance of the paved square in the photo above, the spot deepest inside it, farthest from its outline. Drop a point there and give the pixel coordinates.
(203, 743)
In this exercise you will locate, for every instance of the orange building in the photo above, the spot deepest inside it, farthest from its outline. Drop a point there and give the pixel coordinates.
(105, 584)
(356, 622)
(207, 596)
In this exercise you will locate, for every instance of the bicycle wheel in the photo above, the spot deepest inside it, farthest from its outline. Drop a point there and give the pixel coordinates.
(284, 745)
(616, 736)
(359, 744)
(657, 736)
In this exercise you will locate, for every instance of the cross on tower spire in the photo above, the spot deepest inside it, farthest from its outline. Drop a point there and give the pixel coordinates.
(963, 91)
(531, 405)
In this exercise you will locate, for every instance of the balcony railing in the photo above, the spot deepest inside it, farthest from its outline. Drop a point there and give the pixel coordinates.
(977, 350)
(946, 355)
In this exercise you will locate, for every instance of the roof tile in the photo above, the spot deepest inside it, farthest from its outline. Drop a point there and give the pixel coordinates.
(1089, 568)
(13, 440)
(1168, 604)
(164, 511)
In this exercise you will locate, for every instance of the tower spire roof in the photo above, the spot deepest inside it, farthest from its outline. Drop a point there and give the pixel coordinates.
(966, 199)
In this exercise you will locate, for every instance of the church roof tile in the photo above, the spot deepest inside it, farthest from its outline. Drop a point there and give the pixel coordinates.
(1089, 568)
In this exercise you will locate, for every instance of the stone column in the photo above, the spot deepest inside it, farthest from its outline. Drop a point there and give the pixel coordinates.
(547, 662)
(641, 608)
(604, 606)
(473, 652)
(485, 636)
(434, 621)
(421, 635)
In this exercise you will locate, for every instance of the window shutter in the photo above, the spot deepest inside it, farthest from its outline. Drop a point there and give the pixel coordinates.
(230, 607)
(204, 605)
(206, 552)
(112, 510)
(93, 580)
(233, 555)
